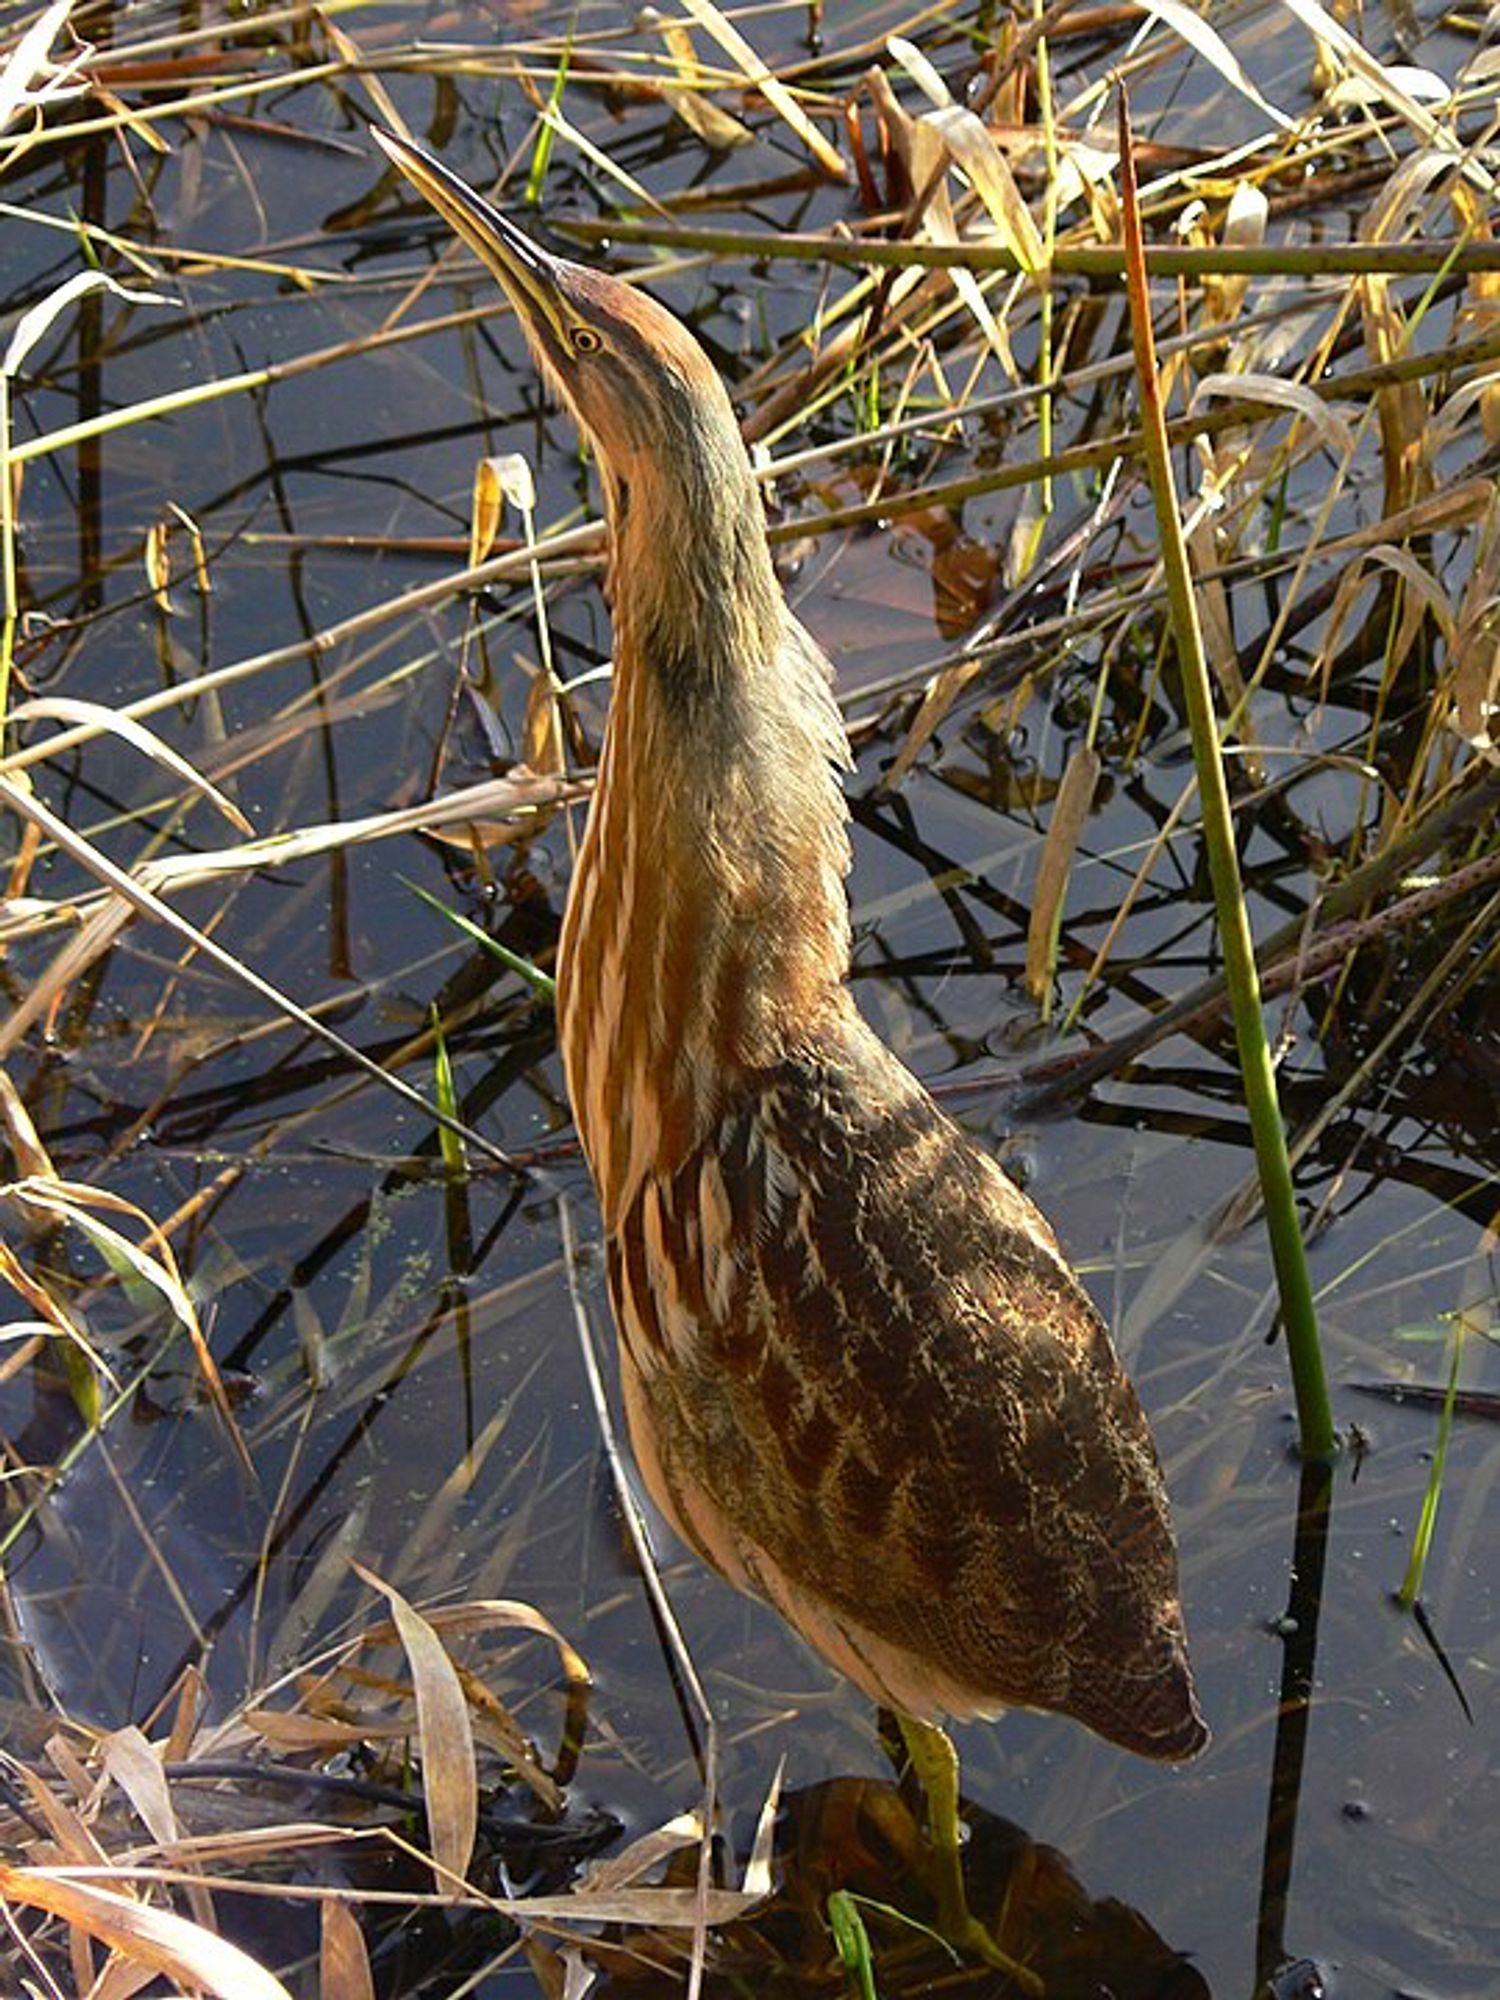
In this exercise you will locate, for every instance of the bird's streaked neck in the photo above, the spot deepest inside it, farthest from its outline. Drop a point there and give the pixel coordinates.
(693, 597)
(707, 930)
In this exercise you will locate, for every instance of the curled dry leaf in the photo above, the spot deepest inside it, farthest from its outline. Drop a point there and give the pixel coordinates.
(1424, 86)
(1283, 395)
(1244, 228)
(1333, 37)
(970, 146)
(107, 721)
(501, 478)
(29, 64)
(485, 1614)
(642, 1855)
(152, 1938)
(446, 1740)
(32, 326)
(1421, 598)
(194, 534)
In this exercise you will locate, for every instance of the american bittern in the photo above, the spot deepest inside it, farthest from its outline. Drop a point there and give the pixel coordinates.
(861, 1379)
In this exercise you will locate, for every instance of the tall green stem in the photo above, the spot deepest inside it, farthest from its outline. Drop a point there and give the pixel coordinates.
(1299, 1316)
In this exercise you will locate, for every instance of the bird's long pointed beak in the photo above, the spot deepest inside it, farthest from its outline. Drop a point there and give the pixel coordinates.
(527, 273)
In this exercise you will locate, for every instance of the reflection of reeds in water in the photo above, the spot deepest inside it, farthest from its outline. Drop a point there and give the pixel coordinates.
(186, 1160)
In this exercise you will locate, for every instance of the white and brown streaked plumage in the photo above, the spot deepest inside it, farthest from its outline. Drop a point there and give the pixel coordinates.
(861, 1379)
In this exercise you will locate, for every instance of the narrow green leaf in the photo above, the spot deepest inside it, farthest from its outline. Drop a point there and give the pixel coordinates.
(1421, 1547)
(541, 983)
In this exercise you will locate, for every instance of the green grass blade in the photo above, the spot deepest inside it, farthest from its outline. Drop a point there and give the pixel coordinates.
(541, 983)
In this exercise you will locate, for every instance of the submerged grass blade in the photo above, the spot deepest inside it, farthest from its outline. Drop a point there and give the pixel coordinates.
(1299, 1314)
(1421, 1544)
(454, 1158)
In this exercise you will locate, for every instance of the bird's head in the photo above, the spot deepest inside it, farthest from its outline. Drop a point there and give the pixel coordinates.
(633, 376)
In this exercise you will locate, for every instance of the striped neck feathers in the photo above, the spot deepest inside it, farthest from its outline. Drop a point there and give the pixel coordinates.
(725, 743)
(707, 932)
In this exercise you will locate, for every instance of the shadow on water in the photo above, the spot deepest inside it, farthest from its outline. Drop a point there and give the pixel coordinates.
(1274, 1965)
(397, 1334)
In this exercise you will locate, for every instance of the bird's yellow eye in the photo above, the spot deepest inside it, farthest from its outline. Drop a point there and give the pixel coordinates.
(585, 340)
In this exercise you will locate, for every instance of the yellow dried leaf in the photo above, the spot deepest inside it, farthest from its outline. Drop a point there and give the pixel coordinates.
(710, 122)
(485, 511)
(195, 542)
(990, 176)
(1476, 687)
(445, 1738)
(542, 735)
(1070, 812)
(505, 477)
(136, 1769)
(776, 94)
(31, 1156)
(1401, 408)
(343, 1962)
(157, 558)
(367, 71)
(189, 1696)
(514, 474)
(1244, 228)
(166, 1943)
(143, 128)
(679, 45)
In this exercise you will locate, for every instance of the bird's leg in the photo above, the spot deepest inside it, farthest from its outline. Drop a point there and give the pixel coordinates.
(935, 1763)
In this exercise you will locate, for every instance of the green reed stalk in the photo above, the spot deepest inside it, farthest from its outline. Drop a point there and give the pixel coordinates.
(1299, 1316)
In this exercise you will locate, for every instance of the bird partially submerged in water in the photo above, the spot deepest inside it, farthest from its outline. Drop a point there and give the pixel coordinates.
(861, 1379)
